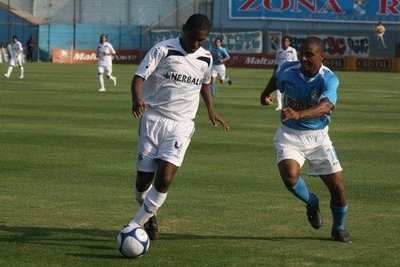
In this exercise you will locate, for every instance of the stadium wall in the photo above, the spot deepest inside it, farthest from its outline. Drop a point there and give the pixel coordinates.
(122, 37)
(11, 24)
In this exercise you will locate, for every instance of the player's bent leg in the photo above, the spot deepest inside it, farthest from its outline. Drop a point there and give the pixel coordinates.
(290, 173)
(212, 86)
(8, 73)
(112, 78)
(155, 198)
(338, 206)
(143, 185)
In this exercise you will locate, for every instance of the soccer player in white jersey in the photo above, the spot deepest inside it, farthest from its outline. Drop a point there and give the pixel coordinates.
(310, 95)
(16, 57)
(104, 52)
(166, 91)
(285, 53)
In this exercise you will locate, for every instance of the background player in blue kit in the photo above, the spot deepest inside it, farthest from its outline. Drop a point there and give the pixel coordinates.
(220, 57)
(310, 95)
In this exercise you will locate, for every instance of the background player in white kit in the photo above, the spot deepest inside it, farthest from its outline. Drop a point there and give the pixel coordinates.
(285, 53)
(104, 53)
(171, 78)
(16, 57)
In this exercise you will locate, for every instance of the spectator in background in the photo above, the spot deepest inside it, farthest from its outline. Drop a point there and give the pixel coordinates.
(16, 53)
(31, 45)
(380, 32)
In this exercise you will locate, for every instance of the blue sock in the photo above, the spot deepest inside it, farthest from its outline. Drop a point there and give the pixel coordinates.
(339, 217)
(212, 88)
(300, 190)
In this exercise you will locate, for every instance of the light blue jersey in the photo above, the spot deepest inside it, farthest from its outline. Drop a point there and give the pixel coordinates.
(302, 93)
(218, 54)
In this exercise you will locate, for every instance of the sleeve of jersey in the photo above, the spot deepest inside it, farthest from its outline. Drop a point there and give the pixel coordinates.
(150, 62)
(330, 89)
(112, 49)
(226, 54)
(295, 54)
(278, 76)
(207, 74)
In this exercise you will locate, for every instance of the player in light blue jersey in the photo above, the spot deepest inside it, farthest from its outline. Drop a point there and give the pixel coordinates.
(310, 94)
(220, 57)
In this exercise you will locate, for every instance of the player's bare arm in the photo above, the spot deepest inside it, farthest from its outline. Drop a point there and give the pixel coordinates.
(265, 97)
(138, 105)
(215, 119)
(224, 60)
(319, 110)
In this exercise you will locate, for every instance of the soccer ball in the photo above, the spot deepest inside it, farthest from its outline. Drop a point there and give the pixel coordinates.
(133, 241)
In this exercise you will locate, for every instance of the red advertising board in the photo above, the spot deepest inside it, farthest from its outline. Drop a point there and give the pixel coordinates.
(252, 60)
(89, 56)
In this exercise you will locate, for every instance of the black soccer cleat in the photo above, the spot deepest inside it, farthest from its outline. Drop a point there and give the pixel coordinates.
(341, 236)
(151, 228)
(230, 82)
(314, 215)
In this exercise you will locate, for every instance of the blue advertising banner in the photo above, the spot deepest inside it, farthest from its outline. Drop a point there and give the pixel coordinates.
(361, 11)
(235, 42)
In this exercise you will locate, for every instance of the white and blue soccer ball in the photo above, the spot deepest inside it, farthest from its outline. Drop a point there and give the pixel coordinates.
(133, 241)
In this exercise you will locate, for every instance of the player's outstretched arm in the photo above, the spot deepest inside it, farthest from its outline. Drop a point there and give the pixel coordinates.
(138, 105)
(265, 97)
(214, 118)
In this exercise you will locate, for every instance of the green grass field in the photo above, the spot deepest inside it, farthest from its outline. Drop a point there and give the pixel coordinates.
(67, 172)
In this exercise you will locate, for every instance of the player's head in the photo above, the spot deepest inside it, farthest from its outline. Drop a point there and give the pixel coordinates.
(15, 38)
(218, 42)
(103, 38)
(286, 42)
(311, 55)
(195, 32)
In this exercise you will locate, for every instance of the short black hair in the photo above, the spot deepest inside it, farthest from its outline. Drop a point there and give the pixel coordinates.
(316, 41)
(101, 37)
(218, 38)
(287, 37)
(197, 22)
(15, 37)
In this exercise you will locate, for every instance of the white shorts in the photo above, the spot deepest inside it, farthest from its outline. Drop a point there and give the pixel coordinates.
(162, 138)
(218, 70)
(106, 70)
(314, 146)
(15, 61)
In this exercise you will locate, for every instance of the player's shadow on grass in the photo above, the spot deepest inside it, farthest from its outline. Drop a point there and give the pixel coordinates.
(101, 243)
(174, 236)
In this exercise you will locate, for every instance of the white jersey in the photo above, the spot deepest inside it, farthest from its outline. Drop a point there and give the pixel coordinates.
(105, 60)
(16, 50)
(174, 79)
(282, 56)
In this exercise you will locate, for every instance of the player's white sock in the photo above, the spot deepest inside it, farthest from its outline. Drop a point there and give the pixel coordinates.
(101, 80)
(152, 202)
(22, 72)
(9, 70)
(140, 196)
